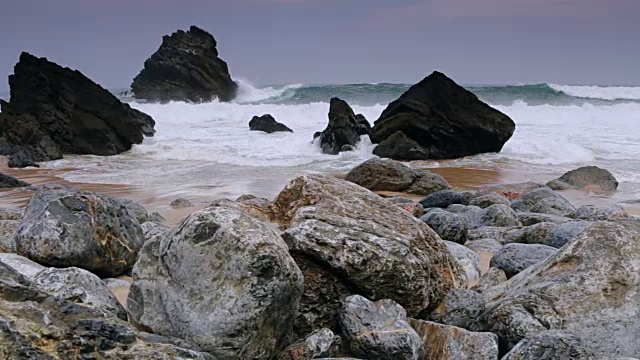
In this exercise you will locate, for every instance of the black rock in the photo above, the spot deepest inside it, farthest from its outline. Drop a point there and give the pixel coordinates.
(364, 127)
(267, 124)
(186, 67)
(446, 120)
(343, 128)
(444, 198)
(7, 181)
(400, 147)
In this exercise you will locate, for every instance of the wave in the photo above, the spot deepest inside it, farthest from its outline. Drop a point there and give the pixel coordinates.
(600, 92)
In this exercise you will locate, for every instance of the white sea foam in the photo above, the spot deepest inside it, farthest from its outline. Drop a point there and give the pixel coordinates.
(600, 92)
(248, 93)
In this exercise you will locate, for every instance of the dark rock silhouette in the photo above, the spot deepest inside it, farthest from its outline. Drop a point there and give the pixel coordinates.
(267, 124)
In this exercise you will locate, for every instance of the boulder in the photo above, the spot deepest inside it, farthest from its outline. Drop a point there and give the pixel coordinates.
(559, 185)
(445, 342)
(445, 120)
(484, 245)
(448, 226)
(58, 110)
(590, 288)
(534, 234)
(268, 124)
(445, 198)
(186, 67)
(514, 258)
(554, 206)
(498, 215)
(21, 265)
(136, 210)
(531, 218)
(489, 199)
(491, 278)
(364, 127)
(551, 345)
(379, 330)
(222, 280)
(343, 130)
(348, 240)
(399, 146)
(589, 176)
(156, 218)
(491, 232)
(427, 183)
(530, 200)
(601, 212)
(565, 232)
(25, 142)
(7, 181)
(321, 343)
(152, 230)
(181, 203)
(408, 205)
(7, 229)
(64, 227)
(468, 260)
(461, 308)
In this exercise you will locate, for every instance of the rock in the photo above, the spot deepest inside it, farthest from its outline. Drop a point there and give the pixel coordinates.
(491, 232)
(543, 200)
(364, 127)
(497, 215)
(408, 205)
(321, 343)
(487, 200)
(530, 218)
(136, 210)
(461, 307)
(186, 67)
(468, 260)
(589, 288)
(601, 212)
(534, 234)
(484, 246)
(7, 181)
(551, 345)
(491, 278)
(21, 265)
(445, 198)
(554, 206)
(447, 225)
(343, 128)
(445, 342)
(59, 110)
(222, 280)
(7, 229)
(26, 141)
(559, 185)
(267, 124)
(379, 330)
(565, 232)
(152, 230)
(590, 176)
(348, 240)
(112, 283)
(79, 286)
(391, 175)
(181, 203)
(399, 146)
(510, 191)
(513, 258)
(446, 120)
(156, 218)
(64, 227)
(10, 214)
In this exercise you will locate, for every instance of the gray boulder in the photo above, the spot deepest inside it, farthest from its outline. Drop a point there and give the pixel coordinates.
(21, 265)
(7, 181)
(468, 260)
(529, 200)
(321, 343)
(491, 278)
(551, 345)
(491, 246)
(530, 218)
(601, 212)
(222, 280)
(181, 203)
(348, 240)
(489, 199)
(444, 198)
(499, 215)
(565, 232)
(136, 210)
(554, 206)
(514, 258)
(379, 330)
(64, 227)
(534, 234)
(7, 229)
(490, 232)
(156, 218)
(461, 308)
(445, 342)
(427, 183)
(447, 225)
(559, 185)
(590, 176)
(152, 230)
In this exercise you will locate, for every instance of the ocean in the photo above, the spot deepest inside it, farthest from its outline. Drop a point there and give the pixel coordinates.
(207, 147)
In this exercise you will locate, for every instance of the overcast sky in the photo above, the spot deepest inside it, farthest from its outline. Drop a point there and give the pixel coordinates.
(340, 41)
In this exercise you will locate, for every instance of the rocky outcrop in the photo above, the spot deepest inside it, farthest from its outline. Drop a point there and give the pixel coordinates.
(55, 110)
(391, 175)
(343, 131)
(268, 124)
(186, 67)
(591, 177)
(444, 120)
(348, 240)
(64, 227)
(445, 342)
(7, 181)
(222, 280)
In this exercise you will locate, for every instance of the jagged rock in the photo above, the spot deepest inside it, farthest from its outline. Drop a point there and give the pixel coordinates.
(445, 120)
(379, 330)
(186, 67)
(589, 176)
(348, 240)
(530, 200)
(589, 288)
(7, 181)
(321, 343)
(343, 128)
(181, 203)
(399, 146)
(79, 286)
(461, 308)
(534, 234)
(407, 204)
(491, 278)
(551, 345)
(448, 226)
(489, 199)
(268, 124)
(565, 232)
(445, 198)
(57, 110)
(21, 265)
(601, 212)
(445, 342)
(484, 245)
(64, 227)
(468, 260)
(554, 206)
(530, 218)
(514, 258)
(222, 280)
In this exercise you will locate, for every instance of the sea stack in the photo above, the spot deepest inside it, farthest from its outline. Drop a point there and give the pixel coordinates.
(344, 129)
(55, 110)
(438, 119)
(186, 67)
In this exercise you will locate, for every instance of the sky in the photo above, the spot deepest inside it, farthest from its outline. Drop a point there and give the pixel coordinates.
(267, 42)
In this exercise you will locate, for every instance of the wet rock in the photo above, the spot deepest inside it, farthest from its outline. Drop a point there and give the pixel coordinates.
(554, 206)
(527, 202)
(565, 232)
(181, 203)
(489, 199)
(64, 227)
(380, 174)
(514, 258)
(321, 343)
(534, 234)
(590, 176)
(348, 240)
(445, 198)
(445, 342)
(491, 278)
(551, 345)
(484, 246)
(399, 146)
(601, 212)
(461, 308)
(379, 330)
(268, 124)
(468, 260)
(7, 181)
(136, 209)
(156, 218)
(222, 280)
(530, 218)
(21, 264)
(447, 225)
(343, 128)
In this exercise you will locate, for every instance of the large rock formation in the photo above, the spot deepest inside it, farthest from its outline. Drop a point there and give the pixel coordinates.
(344, 128)
(438, 119)
(55, 110)
(186, 67)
